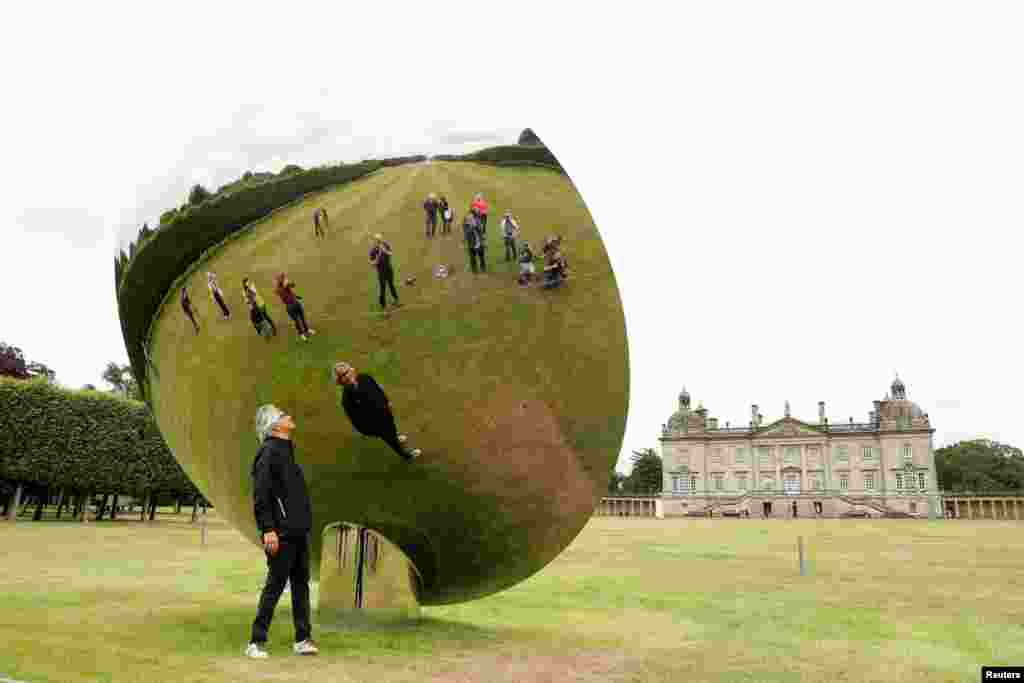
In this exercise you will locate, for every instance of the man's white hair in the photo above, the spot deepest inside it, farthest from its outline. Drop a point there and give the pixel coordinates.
(267, 418)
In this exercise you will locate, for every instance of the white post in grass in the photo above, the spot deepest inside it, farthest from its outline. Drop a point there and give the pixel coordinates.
(800, 553)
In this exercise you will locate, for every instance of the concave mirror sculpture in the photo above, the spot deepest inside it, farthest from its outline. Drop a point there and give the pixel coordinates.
(517, 395)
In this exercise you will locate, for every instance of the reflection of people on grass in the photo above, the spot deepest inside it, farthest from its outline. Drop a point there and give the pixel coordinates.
(284, 516)
(510, 231)
(475, 244)
(320, 222)
(481, 207)
(217, 294)
(186, 305)
(293, 304)
(257, 308)
(446, 215)
(380, 258)
(430, 206)
(555, 268)
(368, 408)
(526, 267)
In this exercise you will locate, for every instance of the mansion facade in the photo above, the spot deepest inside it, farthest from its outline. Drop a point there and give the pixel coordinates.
(884, 467)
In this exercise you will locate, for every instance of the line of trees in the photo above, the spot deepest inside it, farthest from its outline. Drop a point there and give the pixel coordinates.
(73, 445)
(978, 466)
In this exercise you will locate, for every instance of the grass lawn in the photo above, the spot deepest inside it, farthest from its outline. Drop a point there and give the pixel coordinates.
(629, 600)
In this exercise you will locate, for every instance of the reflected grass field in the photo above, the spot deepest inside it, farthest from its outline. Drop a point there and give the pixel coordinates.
(629, 600)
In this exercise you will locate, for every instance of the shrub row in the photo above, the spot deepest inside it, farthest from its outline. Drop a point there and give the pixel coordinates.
(145, 278)
(84, 440)
(510, 155)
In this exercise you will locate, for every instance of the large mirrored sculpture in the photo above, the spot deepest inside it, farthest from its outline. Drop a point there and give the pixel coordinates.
(515, 393)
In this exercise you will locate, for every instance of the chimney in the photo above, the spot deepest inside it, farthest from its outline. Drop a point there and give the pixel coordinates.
(821, 412)
(753, 415)
(877, 415)
(712, 423)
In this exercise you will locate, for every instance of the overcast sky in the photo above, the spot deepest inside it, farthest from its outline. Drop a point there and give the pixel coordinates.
(798, 200)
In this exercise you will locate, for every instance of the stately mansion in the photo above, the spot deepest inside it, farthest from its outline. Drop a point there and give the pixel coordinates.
(789, 467)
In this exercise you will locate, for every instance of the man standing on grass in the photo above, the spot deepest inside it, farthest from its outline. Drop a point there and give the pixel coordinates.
(320, 222)
(284, 516)
(474, 239)
(368, 408)
(380, 258)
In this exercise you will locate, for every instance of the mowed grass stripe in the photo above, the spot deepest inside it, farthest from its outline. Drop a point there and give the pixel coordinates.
(629, 600)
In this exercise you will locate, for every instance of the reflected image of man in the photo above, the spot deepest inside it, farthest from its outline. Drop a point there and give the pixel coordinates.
(284, 516)
(368, 408)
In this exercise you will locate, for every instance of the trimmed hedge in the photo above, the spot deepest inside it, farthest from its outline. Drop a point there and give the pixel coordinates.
(159, 260)
(84, 440)
(510, 155)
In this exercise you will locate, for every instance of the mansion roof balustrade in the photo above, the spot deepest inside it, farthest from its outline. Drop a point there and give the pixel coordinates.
(755, 431)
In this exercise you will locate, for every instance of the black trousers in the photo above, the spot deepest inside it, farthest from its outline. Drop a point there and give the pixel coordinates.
(389, 435)
(510, 249)
(431, 226)
(290, 565)
(298, 315)
(474, 256)
(483, 223)
(192, 317)
(223, 306)
(386, 278)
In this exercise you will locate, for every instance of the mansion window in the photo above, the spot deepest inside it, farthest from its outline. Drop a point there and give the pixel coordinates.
(869, 454)
(869, 481)
(675, 484)
(844, 481)
(791, 484)
(842, 454)
(741, 482)
(908, 454)
(913, 507)
(792, 456)
(921, 481)
(764, 456)
(719, 482)
(899, 481)
(693, 484)
(741, 456)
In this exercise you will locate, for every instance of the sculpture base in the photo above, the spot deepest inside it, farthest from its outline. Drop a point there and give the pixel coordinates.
(365, 580)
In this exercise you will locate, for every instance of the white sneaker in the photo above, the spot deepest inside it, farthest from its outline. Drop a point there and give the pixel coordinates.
(306, 647)
(414, 453)
(312, 332)
(256, 651)
(402, 438)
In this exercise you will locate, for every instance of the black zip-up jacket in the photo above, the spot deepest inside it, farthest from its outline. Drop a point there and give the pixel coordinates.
(366, 405)
(281, 497)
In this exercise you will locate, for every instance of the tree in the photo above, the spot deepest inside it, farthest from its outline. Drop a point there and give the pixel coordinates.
(617, 482)
(980, 465)
(36, 369)
(122, 379)
(646, 474)
(198, 195)
(12, 362)
(528, 137)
